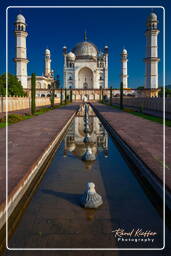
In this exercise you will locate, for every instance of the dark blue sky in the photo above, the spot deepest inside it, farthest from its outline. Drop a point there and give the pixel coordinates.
(55, 28)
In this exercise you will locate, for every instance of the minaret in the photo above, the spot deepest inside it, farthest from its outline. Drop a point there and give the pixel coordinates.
(65, 65)
(151, 60)
(21, 50)
(47, 71)
(124, 71)
(106, 52)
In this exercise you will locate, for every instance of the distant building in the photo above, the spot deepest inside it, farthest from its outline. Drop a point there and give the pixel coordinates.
(85, 67)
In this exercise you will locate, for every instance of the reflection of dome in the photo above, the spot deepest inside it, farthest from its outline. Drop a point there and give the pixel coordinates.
(20, 18)
(71, 56)
(152, 17)
(94, 149)
(85, 49)
(70, 146)
(79, 150)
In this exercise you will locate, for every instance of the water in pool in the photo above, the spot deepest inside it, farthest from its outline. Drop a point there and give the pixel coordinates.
(54, 217)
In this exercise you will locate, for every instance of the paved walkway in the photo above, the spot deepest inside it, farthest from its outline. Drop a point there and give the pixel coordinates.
(143, 136)
(27, 141)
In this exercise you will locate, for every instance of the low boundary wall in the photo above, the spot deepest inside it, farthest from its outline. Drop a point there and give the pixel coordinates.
(18, 103)
(154, 104)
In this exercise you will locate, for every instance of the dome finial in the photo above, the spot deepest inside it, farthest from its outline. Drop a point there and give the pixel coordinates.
(85, 35)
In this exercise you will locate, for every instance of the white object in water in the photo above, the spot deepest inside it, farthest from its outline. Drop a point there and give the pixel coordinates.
(88, 155)
(91, 199)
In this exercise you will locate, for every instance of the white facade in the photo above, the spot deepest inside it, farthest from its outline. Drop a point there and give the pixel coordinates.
(85, 67)
(151, 60)
(21, 50)
(124, 69)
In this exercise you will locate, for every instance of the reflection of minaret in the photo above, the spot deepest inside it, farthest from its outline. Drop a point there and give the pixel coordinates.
(47, 63)
(151, 60)
(106, 139)
(21, 50)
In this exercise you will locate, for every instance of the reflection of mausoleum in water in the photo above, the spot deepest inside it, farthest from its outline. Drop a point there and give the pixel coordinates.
(74, 140)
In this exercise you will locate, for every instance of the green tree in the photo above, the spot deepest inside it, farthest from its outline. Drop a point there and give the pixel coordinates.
(14, 85)
(33, 93)
(121, 95)
(70, 94)
(52, 94)
(57, 82)
(111, 95)
(140, 87)
(65, 96)
(100, 94)
(167, 92)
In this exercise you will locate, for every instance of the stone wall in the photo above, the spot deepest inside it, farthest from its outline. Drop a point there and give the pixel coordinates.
(155, 104)
(17, 103)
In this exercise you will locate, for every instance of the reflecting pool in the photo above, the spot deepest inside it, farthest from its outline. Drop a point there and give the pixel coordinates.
(54, 217)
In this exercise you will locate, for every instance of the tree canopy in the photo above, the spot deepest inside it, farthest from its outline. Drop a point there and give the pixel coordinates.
(57, 82)
(140, 88)
(14, 86)
(167, 92)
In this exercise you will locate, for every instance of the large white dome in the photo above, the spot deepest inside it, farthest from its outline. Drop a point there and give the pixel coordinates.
(85, 49)
(20, 18)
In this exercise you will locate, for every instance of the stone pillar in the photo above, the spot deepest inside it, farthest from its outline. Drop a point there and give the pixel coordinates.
(65, 65)
(47, 70)
(124, 69)
(106, 67)
(151, 60)
(21, 50)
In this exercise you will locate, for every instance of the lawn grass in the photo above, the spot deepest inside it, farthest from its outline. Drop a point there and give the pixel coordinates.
(152, 118)
(15, 118)
(145, 116)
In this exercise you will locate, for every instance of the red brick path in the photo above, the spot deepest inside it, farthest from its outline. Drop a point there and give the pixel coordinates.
(143, 136)
(27, 141)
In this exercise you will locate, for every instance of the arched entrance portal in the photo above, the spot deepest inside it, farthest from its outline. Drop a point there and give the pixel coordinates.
(85, 78)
